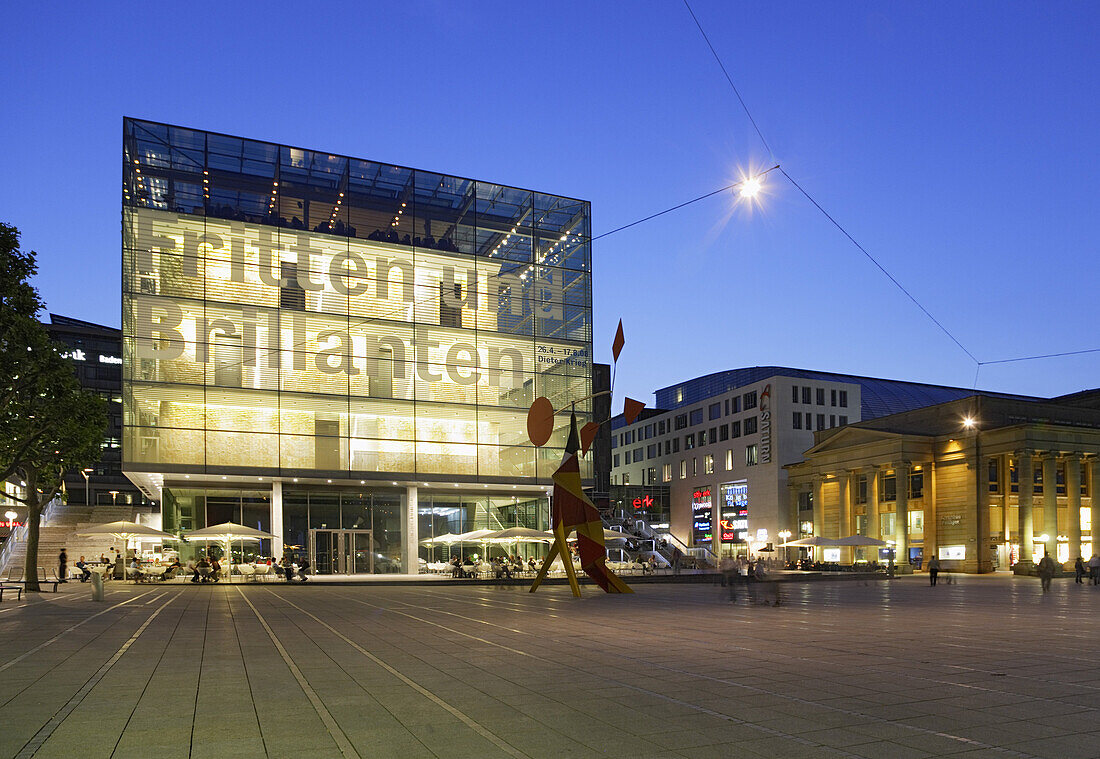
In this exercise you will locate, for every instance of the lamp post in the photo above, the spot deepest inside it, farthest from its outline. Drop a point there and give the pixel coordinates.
(86, 472)
(785, 534)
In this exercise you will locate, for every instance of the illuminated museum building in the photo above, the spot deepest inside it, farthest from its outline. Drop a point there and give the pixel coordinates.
(982, 482)
(720, 443)
(342, 352)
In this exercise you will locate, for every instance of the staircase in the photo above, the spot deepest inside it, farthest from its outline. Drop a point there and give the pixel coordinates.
(60, 522)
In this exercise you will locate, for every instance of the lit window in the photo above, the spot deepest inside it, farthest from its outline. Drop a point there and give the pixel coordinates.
(708, 464)
(750, 455)
(729, 460)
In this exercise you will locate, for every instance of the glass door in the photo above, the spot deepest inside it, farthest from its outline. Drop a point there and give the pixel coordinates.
(343, 552)
(324, 551)
(359, 558)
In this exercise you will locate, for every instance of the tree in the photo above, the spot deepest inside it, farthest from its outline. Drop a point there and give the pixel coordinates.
(48, 424)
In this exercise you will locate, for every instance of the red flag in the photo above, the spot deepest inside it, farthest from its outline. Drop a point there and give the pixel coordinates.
(631, 409)
(620, 341)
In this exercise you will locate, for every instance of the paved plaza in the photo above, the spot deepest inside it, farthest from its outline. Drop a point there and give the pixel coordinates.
(987, 667)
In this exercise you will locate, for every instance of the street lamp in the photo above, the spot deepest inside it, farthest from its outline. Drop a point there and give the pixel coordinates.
(785, 534)
(86, 472)
(11, 515)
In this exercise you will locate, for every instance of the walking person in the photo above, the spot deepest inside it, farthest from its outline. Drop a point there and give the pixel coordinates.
(1094, 569)
(1046, 571)
(933, 570)
(1079, 570)
(63, 566)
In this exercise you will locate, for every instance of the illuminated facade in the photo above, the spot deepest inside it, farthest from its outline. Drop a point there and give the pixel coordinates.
(343, 345)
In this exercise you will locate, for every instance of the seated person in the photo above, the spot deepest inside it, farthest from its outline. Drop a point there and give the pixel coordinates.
(302, 570)
(288, 568)
(133, 572)
(531, 564)
(202, 570)
(171, 570)
(215, 570)
(456, 567)
(83, 567)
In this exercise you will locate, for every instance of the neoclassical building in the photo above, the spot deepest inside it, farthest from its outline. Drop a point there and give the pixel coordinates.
(982, 482)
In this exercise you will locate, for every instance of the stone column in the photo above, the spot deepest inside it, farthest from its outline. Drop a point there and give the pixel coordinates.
(844, 513)
(1050, 501)
(277, 519)
(931, 519)
(1025, 476)
(819, 512)
(1073, 505)
(1094, 503)
(410, 545)
(901, 514)
(983, 558)
(874, 525)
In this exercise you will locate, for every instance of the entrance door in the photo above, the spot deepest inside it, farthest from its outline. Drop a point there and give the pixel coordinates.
(344, 552)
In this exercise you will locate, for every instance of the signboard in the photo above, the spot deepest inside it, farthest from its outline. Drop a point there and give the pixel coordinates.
(702, 516)
(735, 512)
(766, 424)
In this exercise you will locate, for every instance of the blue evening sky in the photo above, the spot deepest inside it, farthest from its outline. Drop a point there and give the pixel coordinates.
(956, 141)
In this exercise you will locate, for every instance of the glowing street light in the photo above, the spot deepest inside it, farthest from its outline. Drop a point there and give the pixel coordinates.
(751, 187)
(969, 422)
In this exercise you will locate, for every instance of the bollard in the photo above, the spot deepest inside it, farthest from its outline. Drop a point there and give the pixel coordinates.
(97, 586)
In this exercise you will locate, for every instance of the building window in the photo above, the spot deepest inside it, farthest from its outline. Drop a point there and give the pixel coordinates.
(1084, 479)
(844, 399)
(696, 416)
(713, 436)
(661, 427)
(843, 420)
(749, 425)
(1038, 480)
(797, 420)
(889, 487)
(794, 393)
(735, 429)
(708, 464)
(832, 397)
(702, 437)
(724, 434)
(886, 524)
(821, 421)
(735, 404)
(916, 485)
(806, 395)
(675, 445)
(749, 400)
(821, 396)
(805, 501)
(681, 421)
(729, 460)
(1060, 480)
(689, 441)
(809, 421)
(652, 475)
(626, 478)
(668, 447)
(666, 473)
(861, 491)
(832, 421)
(715, 411)
(750, 455)
(615, 460)
(683, 469)
(651, 452)
(994, 476)
(679, 395)
(1013, 477)
(694, 467)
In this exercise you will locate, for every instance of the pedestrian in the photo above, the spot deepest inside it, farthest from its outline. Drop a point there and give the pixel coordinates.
(1046, 571)
(63, 566)
(677, 555)
(1094, 569)
(933, 570)
(1079, 570)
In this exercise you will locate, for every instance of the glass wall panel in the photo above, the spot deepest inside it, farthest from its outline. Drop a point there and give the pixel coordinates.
(321, 312)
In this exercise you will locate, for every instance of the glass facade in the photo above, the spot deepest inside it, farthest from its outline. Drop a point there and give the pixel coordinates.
(293, 313)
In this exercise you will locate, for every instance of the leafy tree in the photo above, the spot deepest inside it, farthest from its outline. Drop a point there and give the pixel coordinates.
(48, 424)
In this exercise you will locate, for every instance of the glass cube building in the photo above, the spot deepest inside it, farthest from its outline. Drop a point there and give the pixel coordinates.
(342, 352)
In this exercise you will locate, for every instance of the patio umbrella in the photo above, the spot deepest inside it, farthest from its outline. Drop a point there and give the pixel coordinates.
(227, 532)
(474, 536)
(440, 540)
(860, 540)
(815, 540)
(520, 535)
(126, 531)
(611, 535)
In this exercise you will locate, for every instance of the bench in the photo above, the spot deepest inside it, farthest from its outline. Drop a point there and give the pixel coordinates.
(15, 577)
(16, 588)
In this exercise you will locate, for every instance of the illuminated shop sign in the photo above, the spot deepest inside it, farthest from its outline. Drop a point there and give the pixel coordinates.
(702, 516)
(735, 512)
(645, 502)
(766, 424)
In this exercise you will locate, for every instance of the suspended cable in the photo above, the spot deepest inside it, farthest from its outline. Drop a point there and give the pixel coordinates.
(686, 203)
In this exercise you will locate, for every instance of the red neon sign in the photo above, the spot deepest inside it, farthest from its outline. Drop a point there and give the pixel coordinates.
(644, 502)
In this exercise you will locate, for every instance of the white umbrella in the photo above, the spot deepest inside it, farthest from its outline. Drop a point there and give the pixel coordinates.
(126, 531)
(520, 535)
(440, 540)
(610, 535)
(473, 536)
(227, 532)
(860, 540)
(816, 540)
